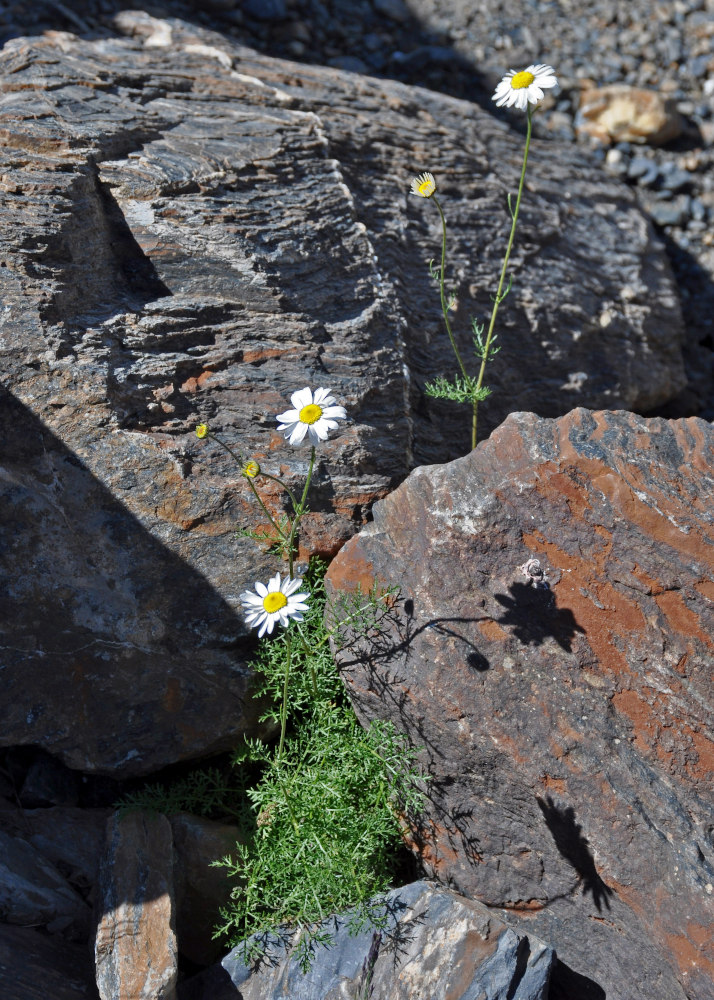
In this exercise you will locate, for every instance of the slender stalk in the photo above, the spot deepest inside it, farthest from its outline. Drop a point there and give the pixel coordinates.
(442, 291)
(309, 655)
(239, 460)
(299, 510)
(284, 707)
(499, 293)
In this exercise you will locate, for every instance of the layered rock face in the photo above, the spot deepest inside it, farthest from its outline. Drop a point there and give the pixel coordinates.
(190, 233)
(434, 943)
(552, 654)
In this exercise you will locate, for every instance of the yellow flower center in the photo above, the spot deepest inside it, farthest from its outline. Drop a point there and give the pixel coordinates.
(521, 80)
(202, 430)
(274, 601)
(251, 469)
(310, 414)
(425, 188)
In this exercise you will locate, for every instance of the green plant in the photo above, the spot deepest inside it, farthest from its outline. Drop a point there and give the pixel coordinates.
(329, 808)
(209, 792)
(522, 90)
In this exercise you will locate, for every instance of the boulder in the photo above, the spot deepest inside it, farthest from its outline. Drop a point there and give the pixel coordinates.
(201, 889)
(192, 231)
(33, 893)
(135, 946)
(434, 944)
(35, 966)
(552, 656)
(71, 839)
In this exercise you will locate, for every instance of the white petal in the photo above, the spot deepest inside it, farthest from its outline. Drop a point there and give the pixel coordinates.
(334, 411)
(261, 588)
(274, 583)
(297, 434)
(321, 396)
(303, 397)
(290, 586)
(289, 417)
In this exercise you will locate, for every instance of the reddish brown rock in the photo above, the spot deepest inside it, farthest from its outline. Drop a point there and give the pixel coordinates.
(564, 705)
(192, 231)
(135, 947)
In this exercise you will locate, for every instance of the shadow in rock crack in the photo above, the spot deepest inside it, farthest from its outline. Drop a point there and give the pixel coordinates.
(574, 847)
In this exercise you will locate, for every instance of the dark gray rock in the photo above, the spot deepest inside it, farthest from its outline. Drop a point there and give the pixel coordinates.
(35, 966)
(193, 231)
(71, 839)
(553, 657)
(436, 944)
(33, 893)
(200, 889)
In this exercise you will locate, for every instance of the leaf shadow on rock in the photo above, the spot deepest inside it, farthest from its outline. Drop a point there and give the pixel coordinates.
(575, 848)
(386, 693)
(533, 615)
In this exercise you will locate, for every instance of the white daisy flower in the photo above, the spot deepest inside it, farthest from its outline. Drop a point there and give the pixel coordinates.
(526, 87)
(277, 602)
(315, 415)
(424, 185)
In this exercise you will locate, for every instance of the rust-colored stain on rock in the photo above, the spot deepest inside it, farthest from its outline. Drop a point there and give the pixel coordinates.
(565, 728)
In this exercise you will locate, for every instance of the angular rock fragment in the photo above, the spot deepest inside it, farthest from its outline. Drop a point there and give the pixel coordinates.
(69, 838)
(620, 113)
(135, 948)
(33, 893)
(191, 232)
(35, 966)
(553, 656)
(435, 944)
(201, 890)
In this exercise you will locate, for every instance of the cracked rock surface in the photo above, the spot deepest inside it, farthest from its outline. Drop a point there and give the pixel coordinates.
(552, 656)
(191, 232)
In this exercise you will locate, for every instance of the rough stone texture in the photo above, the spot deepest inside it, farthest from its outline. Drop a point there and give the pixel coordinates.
(436, 945)
(33, 892)
(200, 889)
(70, 839)
(628, 114)
(135, 949)
(192, 231)
(36, 966)
(565, 718)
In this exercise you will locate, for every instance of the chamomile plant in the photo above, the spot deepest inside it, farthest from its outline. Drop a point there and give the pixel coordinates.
(329, 800)
(523, 90)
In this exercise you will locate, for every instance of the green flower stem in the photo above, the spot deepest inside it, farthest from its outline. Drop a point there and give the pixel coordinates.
(239, 460)
(444, 303)
(499, 293)
(299, 511)
(309, 653)
(284, 708)
(293, 501)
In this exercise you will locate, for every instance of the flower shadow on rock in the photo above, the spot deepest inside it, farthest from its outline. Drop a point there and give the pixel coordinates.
(574, 847)
(534, 616)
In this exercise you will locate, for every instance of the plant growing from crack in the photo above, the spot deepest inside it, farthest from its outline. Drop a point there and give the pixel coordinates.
(523, 90)
(328, 803)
